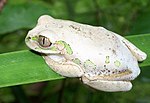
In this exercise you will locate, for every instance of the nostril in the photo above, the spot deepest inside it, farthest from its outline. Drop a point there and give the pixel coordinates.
(27, 38)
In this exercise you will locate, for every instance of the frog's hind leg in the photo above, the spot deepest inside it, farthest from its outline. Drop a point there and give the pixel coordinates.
(108, 86)
(134, 50)
(65, 68)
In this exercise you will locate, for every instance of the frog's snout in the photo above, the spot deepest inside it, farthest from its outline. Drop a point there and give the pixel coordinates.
(29, 42)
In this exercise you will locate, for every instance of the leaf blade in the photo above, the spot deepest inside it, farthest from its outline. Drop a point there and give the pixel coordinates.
(21, 68)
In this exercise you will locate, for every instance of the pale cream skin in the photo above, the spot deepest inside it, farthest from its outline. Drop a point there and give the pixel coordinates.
(102, 59)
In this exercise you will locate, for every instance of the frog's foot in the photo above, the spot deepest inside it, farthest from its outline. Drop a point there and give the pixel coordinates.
(65, 68)
(134, 50)
(108, 86)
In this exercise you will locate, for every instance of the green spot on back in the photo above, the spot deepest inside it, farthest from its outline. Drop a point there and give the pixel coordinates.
(66, 46)
(107, 61)
(61, 42)
(77, 61)
(90, 64)
(117, 63)
(68, 49)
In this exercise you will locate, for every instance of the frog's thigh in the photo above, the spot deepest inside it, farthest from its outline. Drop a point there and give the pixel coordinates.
(68, 68)
(108, 86)
(134, 50)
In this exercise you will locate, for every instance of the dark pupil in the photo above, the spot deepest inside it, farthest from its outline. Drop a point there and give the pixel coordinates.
(44, 41)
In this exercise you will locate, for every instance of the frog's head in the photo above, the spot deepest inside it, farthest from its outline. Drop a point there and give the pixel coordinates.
(43, 38)
(43, 42)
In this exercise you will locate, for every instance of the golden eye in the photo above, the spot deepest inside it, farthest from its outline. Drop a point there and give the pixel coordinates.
(44, 41)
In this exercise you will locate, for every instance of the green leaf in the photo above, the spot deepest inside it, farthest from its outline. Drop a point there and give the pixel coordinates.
(22, 67)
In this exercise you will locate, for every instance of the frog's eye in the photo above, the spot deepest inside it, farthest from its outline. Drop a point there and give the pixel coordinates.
(44, 41)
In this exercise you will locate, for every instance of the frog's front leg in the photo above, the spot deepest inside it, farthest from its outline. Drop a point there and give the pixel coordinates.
(134, 50)
(65, 68)
(109, 86)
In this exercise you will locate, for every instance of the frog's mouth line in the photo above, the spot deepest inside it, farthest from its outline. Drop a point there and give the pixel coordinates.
(121, 76)
(118, 75)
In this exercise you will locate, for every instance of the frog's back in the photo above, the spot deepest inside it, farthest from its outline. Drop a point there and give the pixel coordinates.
(99, 46)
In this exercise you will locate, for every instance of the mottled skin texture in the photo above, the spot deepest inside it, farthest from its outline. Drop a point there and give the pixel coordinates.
(102, 59)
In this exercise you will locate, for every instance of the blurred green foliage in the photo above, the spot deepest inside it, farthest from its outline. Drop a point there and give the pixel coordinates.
(123, 16)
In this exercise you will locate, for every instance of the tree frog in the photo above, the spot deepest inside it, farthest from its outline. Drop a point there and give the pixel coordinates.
(102, 59)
